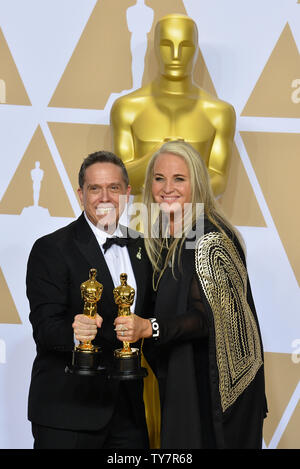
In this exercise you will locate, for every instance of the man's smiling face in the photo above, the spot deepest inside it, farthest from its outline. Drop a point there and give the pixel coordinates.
(104, 195)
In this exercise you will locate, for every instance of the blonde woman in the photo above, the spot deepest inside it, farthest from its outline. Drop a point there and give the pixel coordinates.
(204, 339)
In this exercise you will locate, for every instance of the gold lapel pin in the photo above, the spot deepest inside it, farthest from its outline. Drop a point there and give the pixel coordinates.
(139, 253)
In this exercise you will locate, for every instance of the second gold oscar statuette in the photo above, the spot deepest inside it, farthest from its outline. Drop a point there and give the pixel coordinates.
(127, 361)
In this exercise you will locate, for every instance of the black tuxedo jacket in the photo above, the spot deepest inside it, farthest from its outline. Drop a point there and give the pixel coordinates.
(57, 265)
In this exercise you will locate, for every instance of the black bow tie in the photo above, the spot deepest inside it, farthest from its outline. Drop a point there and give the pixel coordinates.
(115, 240)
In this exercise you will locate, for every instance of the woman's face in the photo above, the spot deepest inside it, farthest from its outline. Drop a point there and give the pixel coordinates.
(171, 184)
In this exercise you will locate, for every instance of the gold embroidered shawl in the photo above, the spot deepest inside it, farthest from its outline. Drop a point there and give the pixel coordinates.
(223, 278)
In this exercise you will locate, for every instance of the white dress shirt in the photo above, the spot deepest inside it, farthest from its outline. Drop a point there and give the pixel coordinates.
(116, 257)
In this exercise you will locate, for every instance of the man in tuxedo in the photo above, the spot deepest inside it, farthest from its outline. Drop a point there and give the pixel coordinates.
(70, 411)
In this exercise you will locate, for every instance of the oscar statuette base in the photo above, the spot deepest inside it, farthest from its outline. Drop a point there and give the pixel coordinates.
(127, 366)
(86, 363)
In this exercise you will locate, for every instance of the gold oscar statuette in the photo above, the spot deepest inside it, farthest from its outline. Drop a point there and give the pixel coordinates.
(86, 356)
(127, 362)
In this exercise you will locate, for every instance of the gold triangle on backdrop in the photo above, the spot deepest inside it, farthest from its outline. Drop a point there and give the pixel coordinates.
(276, 162)
(13, 90)
(75, 142)
(101, 62)
(201, 74)
(238, 201)
(8, 310)
(19, 193)
(272, 94)
(279, 391)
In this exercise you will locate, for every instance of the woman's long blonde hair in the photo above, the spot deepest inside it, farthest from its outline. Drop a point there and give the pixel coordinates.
(201, 192)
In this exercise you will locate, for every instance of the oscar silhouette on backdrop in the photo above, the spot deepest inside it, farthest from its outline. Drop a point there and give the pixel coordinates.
(37, 175)
(173, 107)
(138, 45)
(138, 41)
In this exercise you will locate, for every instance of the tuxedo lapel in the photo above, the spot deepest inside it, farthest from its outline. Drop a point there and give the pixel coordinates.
(138, 257)
(90, 249)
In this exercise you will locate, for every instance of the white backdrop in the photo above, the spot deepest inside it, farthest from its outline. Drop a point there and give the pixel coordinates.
(236, 39)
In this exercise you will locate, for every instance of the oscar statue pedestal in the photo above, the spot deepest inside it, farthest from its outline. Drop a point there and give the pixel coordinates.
(127, 365)
(86, 362)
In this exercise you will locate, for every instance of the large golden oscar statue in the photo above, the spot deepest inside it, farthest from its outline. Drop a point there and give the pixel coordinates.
(173, 107)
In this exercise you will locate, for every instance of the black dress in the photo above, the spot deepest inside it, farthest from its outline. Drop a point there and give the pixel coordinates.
(199, 407)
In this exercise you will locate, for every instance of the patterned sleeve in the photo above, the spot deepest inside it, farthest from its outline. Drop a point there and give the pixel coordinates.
(223, 278)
